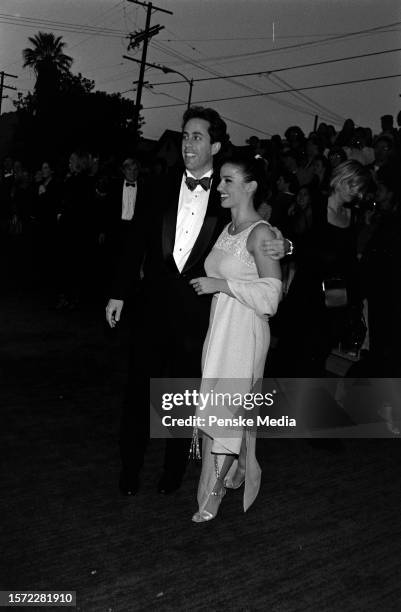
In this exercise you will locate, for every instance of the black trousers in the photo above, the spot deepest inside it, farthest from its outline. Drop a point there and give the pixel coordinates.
(158, 351)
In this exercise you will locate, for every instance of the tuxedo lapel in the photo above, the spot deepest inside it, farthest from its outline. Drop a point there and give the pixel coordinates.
(203, 242)
(117, 201)
(170, 217)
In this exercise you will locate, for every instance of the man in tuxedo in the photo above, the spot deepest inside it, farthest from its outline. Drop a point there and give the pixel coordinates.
(122, 205)
(171, 319)
(127, 208)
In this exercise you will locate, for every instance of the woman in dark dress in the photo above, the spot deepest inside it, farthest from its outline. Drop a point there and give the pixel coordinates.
(309, 328)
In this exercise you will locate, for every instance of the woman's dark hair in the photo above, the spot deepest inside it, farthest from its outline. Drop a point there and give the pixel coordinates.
(253, 168)
(217, 127)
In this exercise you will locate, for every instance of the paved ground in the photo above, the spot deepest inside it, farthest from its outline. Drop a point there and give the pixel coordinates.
(323, 536)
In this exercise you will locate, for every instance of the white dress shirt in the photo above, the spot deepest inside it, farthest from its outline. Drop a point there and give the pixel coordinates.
(128, 203)
(192, 207)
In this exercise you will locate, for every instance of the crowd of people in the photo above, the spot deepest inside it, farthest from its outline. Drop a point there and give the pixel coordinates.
(314, 235)
(65, 219)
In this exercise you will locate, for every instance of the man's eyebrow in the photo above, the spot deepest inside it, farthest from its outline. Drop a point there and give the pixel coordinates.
(196, 133)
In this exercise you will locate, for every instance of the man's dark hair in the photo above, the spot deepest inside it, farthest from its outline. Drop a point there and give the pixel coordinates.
(217, 127)
(129, 159)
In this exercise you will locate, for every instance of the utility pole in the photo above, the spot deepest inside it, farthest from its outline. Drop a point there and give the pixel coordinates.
(2, 86)
(145, 37)
(166, 70)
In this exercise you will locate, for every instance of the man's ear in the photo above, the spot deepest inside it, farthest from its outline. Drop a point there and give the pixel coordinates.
(216, 146)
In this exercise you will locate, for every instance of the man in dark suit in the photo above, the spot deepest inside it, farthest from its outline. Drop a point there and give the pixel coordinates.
(124, 219)
(122, 204)
(171, 320)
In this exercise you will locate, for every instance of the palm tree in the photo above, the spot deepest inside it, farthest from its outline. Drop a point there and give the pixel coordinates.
(47, 60)
(50, 64)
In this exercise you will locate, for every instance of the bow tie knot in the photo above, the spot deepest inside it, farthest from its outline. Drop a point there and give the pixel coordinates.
(192, 183)
(127, 184)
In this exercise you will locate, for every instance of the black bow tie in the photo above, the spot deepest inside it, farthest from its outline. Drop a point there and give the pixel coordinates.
(127, 184)
(192, 183)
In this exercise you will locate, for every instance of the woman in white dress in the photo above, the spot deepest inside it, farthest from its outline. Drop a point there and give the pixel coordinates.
(246, 285)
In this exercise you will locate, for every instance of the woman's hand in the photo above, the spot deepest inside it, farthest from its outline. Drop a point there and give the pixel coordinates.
(206, 284)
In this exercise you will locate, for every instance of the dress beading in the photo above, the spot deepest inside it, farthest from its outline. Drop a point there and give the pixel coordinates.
(235, 244)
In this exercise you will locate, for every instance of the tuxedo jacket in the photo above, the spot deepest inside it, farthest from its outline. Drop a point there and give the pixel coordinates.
(168, 302)
(115, 207)
(126, 239)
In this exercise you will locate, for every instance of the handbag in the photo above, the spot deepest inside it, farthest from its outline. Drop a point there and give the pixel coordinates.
(335, 292)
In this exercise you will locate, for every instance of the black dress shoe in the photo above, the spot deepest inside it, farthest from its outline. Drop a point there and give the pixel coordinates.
(128, 484)
(168, 483)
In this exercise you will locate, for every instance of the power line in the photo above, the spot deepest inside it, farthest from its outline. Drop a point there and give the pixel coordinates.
(51, 22)
(237, 38)
(239, 84)
(63, 29)
(246, 87)
(300, 96)
(332, 116)
(310, 64)
(296, 107)
(30, 22)
(271, 93)
(44, 23)
(230, 119)
(103, 14)
(300, 109)
(303, 45)
(249, 127)
(182, 42)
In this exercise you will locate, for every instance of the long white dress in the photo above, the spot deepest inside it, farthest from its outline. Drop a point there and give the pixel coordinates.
(234, 355)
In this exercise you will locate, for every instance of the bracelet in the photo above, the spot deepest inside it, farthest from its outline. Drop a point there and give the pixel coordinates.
(291, 250)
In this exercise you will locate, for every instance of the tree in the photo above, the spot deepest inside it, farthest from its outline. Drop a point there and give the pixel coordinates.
(64, 110)
(49, 63)
(81, 118)
(46, 58)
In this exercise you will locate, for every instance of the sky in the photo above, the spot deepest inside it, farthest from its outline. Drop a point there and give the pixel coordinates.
(211, 39)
